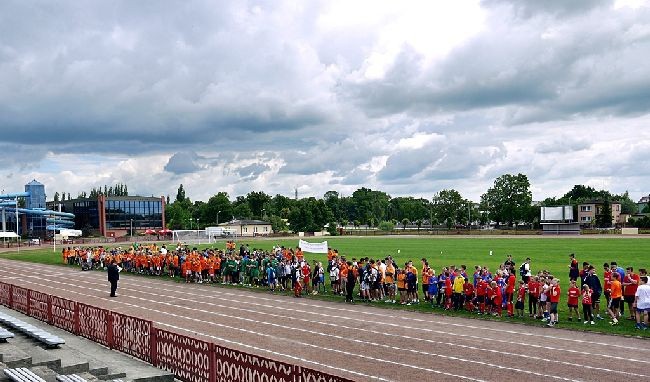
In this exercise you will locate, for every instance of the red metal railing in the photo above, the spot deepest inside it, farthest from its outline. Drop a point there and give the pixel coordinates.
(132, 336)
(188, 358)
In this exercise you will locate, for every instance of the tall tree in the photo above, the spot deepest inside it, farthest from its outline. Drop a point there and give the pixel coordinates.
(180, 194)
(604, 218)
(448, 207)
(509, 200)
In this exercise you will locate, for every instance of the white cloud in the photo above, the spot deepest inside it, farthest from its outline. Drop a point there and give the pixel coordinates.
(407, 97)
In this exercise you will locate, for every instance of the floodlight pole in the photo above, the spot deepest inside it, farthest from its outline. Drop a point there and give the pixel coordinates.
(17, 236)
(218, 212)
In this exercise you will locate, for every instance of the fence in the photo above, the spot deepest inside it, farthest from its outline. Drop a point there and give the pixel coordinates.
(188, 358)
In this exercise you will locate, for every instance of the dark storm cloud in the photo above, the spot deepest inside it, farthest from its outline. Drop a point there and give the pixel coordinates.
(535, 70)
(183, 163)
(562, 145)
(531, 8)
(110, 73)
(252, 171)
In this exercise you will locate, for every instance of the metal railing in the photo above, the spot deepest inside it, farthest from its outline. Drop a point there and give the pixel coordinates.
(188, 358)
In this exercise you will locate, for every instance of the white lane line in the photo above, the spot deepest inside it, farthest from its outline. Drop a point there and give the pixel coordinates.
(295, 318)
(341, 338)
(221, 325)
(481, 339)
(464, 326)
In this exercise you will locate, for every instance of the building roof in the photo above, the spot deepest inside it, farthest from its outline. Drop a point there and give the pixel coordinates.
(245, 222)
(645, 199)
(598, 201)
(34, 183)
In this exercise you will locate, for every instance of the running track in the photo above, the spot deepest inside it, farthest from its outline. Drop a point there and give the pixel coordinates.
(358, 342)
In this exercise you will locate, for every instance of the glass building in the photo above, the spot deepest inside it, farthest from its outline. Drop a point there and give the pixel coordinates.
(114, 216)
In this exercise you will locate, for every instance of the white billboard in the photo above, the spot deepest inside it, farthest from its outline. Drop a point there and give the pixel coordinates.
(556, 213)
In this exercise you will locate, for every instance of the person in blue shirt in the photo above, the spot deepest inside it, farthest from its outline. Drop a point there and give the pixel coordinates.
(433, 285)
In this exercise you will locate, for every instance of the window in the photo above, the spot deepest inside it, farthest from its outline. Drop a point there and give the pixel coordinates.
(585, 218)
(585, 208)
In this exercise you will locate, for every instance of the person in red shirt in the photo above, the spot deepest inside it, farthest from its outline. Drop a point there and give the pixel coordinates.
(554, 298)
(497, 299)
(630, 285)
(468, 288)
(574, 295)
(481, 290)
(587, 311)
(521, 298)
(607, 283)
(533, 296)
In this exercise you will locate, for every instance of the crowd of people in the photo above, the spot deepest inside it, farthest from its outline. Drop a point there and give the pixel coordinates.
(508, 290)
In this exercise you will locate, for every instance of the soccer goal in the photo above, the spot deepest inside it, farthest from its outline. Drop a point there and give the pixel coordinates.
(190, 236)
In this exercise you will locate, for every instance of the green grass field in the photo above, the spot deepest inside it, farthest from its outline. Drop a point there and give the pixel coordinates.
(547, 253)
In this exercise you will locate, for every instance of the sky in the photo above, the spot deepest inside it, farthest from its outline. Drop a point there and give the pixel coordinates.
(407, 97)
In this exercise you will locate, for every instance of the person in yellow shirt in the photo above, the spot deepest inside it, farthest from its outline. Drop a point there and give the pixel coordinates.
(457, 288)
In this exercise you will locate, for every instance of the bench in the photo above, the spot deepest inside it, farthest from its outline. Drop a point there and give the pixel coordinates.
(22, 374)
(70, 378)
(41, 335)
(4, 334)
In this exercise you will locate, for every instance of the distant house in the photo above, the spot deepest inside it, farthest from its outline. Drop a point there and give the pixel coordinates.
(248, 227)
(588, 211)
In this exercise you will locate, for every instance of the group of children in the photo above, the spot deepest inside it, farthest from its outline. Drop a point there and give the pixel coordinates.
(484, 293)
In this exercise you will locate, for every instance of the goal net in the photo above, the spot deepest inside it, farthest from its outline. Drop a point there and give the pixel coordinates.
(190, 236)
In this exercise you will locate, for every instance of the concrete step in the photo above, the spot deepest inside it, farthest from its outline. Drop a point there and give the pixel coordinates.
(13, 357)
(44, 372)
(79, 355)
(97, 370)
(112, 376)
(63, 360)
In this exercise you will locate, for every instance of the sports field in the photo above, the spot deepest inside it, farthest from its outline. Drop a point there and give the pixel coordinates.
(546, 253)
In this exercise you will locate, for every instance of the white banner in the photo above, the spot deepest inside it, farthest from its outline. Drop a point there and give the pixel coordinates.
(313, 247)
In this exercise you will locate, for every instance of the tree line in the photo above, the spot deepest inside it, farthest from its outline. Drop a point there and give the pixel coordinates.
(507, 203)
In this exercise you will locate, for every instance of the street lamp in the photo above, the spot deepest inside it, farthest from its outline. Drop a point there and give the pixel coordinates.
(218, 212)
(190, 220)
(263, 210)
(131, 229)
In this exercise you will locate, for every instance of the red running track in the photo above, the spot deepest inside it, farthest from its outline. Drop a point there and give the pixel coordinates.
(357, 342)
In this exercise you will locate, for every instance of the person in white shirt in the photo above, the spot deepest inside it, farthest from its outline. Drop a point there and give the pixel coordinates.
(642, 303)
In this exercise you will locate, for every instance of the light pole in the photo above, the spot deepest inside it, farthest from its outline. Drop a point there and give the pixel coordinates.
(469, 215)
(218, 212)
(131, 229)
(263, 210)
(190, 220)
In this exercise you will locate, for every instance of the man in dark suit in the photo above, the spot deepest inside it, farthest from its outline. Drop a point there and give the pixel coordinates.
(113, 276)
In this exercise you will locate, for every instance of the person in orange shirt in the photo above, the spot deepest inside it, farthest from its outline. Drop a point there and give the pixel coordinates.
(401, 286)
(616, 294)
(425, 279)
(299, 254)
(211, 269)
(343, 275)
(389, 281)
